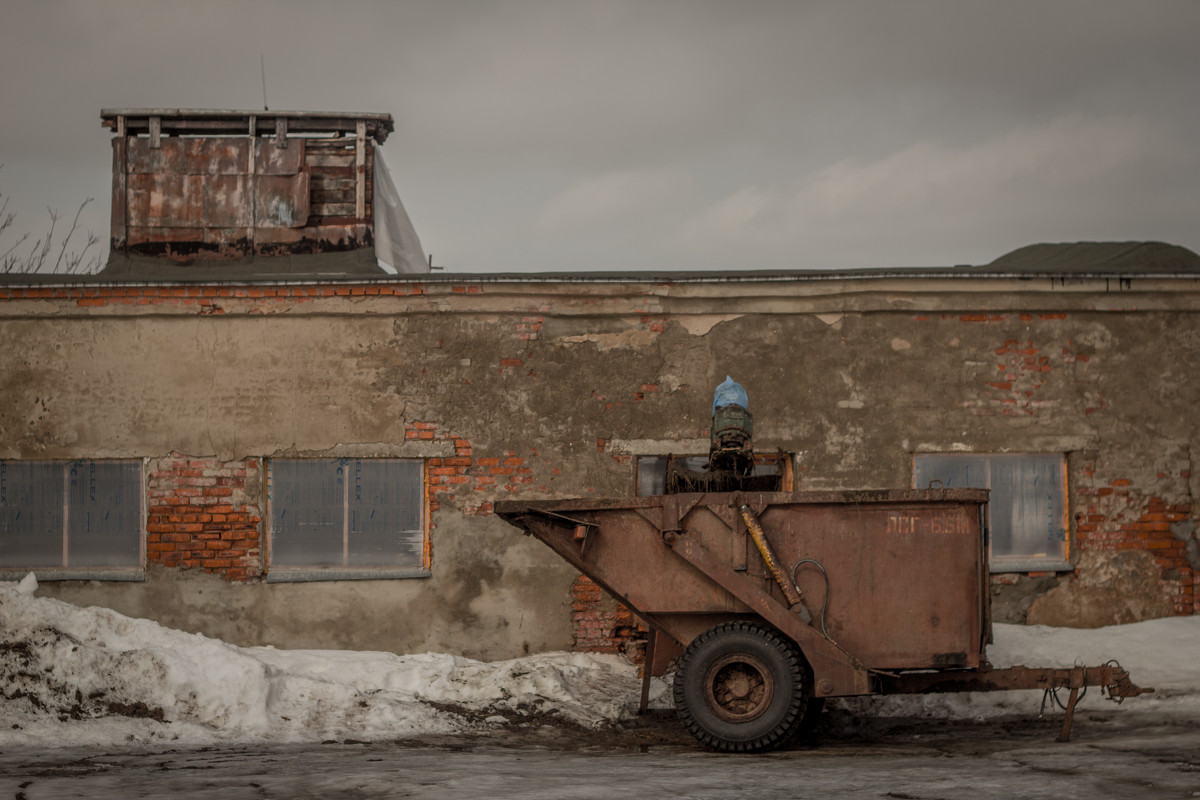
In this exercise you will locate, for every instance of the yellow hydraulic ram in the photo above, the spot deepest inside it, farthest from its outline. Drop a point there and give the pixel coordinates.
(790, 592)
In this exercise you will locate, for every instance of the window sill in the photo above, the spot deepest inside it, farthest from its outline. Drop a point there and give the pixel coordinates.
(75, 574)
(306, 574)
(1030, 565)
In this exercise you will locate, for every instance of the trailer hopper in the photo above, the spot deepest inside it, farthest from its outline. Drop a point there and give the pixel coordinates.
(775, 601)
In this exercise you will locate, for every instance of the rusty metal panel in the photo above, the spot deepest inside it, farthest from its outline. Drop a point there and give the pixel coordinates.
(119, 221)
(271, 159)
(626, 553)
(904, 567)
(295, 193)
(155, 200)
(281, 201)
(226, 196)
(200, 187)
(215, 156)
(904, 578)
(142, 159)
(227, 235)
(156, 235)
(187, 201)
(191, 209)
(189, 156)
(226, 201)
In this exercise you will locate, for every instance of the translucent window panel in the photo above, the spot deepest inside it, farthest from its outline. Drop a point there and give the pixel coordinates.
(308, 499)
(31, 514)
(1031, 506)
(104, 526)
(1027, 507)
(385, 519)
(347, 513)
(75, 514)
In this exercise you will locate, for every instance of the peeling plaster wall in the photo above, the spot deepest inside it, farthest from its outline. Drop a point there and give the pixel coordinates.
(544, 390)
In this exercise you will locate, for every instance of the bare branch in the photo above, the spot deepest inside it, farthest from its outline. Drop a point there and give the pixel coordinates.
(35, 264)
(15, 259)
(67, 239)
(7, 215)
(75, 262)
(10, 261)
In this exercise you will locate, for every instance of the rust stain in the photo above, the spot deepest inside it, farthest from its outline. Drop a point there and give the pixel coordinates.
(226, 197)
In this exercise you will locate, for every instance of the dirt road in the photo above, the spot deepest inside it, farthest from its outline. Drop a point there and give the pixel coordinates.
(1139, 757)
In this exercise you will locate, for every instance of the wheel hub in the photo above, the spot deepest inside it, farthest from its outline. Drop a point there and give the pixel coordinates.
(738, 687)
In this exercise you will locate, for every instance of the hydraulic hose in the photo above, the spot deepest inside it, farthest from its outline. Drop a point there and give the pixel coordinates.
(790, 592)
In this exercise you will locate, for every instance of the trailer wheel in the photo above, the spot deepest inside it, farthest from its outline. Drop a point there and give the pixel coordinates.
(742, 687)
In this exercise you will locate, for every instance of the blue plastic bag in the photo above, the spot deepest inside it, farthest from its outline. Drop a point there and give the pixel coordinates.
(730, 393)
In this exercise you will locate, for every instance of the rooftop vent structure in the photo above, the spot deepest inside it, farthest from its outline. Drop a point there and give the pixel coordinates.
(218, 188)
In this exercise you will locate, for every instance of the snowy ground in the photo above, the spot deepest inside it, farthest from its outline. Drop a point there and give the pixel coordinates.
(73, 677)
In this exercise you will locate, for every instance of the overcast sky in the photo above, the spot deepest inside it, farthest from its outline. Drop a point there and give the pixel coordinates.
(663, 134)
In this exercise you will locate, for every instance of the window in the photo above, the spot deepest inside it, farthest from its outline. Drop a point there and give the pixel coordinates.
(652, 470)
(340, 519)
(1027, 508)
(71, 519)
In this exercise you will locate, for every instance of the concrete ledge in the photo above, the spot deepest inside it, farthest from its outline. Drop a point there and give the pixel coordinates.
(344, 574)
(69, 574)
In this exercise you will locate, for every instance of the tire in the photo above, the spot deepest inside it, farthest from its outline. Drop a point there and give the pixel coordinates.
(742, 687)
(806, 734)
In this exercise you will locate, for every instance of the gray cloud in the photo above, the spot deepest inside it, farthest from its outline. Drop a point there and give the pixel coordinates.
(665, 135)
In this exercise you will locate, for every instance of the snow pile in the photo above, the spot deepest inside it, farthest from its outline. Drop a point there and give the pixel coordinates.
(71, 675)
(91, 676)
(1162, 654)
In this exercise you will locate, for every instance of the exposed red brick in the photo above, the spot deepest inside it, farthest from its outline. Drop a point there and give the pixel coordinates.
(1129, 517)
(178, 535)
(603, 625)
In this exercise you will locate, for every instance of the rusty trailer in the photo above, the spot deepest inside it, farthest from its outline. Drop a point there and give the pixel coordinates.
(775, 601)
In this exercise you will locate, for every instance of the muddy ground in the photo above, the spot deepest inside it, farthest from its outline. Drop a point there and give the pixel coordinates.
(1110, 756)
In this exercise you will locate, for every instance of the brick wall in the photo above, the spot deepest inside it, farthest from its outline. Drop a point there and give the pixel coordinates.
(1123, 513)
(205, 514)
(1025, 378)
(472, 482)
(208, 299)
(1043, 370)
(603, 625)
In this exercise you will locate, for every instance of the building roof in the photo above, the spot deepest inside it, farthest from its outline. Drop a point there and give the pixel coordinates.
(1097, 257)
(230, 122)
(1081, 260)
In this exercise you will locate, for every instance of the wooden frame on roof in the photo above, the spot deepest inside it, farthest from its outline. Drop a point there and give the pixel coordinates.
(217, 122)
(214, 184)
